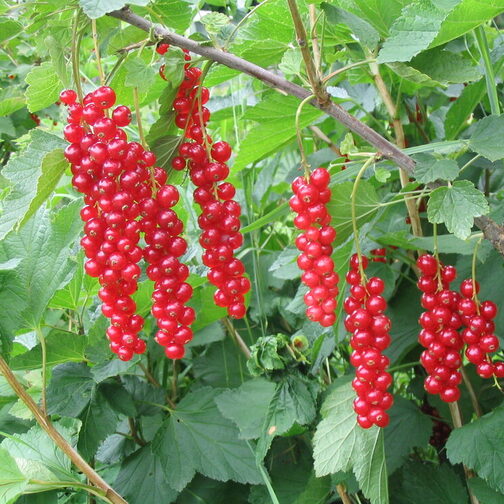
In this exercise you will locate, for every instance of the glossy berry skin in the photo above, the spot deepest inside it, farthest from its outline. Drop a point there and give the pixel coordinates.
(220, 218)
(442, 357)
(315, 245)
(370, 337)
(478, 333)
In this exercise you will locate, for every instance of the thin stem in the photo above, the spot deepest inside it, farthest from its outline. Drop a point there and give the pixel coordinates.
(311, 70)
(400, 141)
(241, 22)
(312, 10)
(174, 381)
(304, 161)
(403, 366)
(43, 347)
(472, 393)
(473, 272)
(139, 118)
(354, 214)
(71, 484)
(470, 162)
(97, 52)
(343, 494)
(491, 85)
(76, 38)
(58, 439)
(345, 68)
(236, 335)
(457, 423)
(320, 134)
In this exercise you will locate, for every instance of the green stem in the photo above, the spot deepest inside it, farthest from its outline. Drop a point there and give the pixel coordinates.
(354, 213)
(41, 338)
(403, 366)
(304, 161)
(473, 271)
(72, 484)
(76, 39)
(491, 86)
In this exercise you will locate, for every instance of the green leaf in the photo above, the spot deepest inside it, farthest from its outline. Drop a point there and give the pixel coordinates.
(456, 207)
(414, 30)
(142, 479)
(292, 403)
(486, 137)
(366, 203)
(408, 428)
(444, 485)
(483, 492)
(247, 406)
(197, 437)
(413, 75)
(463, 107)
(361, 28)
(57, 54)
(11, 99)
(12, 480)
(379, 13)
(208, 491)
(38, 456)
(70, 389)
(119, 399)
(214, 22)
(44, 245)
(166, 148)
(340, 444)
(222, 365)
(9, 28)
(44, 87)
(97, 8)
(480, 446)
(99, 420)
(139, 74)
(467, 14)
(446, 67)
(69, 297)
(276, 126)
(53, 166)
(429, 169)
(176, 14)
(292, 478)
(60, 347)
(25, 172)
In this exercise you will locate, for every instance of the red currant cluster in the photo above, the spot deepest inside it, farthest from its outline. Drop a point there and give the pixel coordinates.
(370, 337)
(479, 330)
(440, 323)
(220, 217)
(315, 244)
(164, 247)
(125, 195)
(440, 429)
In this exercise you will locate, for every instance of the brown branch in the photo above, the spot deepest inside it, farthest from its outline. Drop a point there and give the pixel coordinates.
(318, 88)
(319, 133)
(236, 336)
(416, 225)
(491, 230)
(58, 439)
(345, 499)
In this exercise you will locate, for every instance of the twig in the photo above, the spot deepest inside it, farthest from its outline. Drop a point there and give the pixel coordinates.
(318, 88)
(472, 393)
(318, 132)
(400, 140)
(58, 439)
(236, 335)
(134, 432)
(457, 423)
(343, 495)
(312, 9)
(492, 231)
(148, 375)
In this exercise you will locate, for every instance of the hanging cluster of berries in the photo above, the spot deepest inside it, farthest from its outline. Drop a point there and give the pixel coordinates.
(125, 196)
(440, 323)
(440, 429)
(370, 328)
(478, 333)
(315, 244)
(220, 217)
